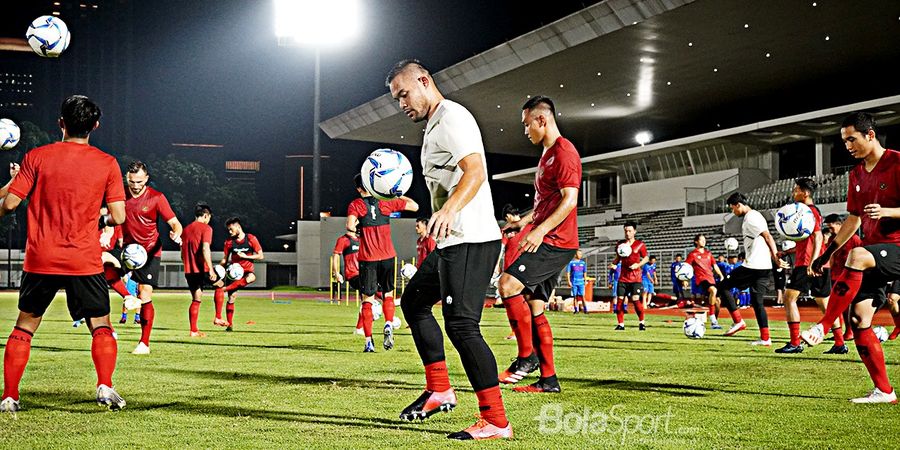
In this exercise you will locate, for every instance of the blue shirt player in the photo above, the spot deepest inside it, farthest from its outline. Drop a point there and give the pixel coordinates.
(649, 280)
(677, 287)
(575, 272)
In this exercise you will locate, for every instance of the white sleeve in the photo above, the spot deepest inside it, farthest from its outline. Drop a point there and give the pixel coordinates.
(757, 223)
(461, 133)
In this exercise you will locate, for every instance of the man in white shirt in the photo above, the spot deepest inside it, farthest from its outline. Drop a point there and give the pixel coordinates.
(761, 251)
(458, 272)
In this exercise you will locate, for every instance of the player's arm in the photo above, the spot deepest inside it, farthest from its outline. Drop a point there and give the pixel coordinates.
(875, 211)
(848, 229)
(176, 227)
(718, 271)
(116, 215)
(411, 205)
(13, 171)
(569, 274)
(773, 249)
(655, 278)
(535, 237)
(817, 247)
(207, 258)
(226, 252)
(352, 220)
(10, 203)
(474, 175)
(336, 267)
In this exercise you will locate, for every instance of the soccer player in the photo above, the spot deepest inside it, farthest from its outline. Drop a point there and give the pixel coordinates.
(630, 283)
(705, 271)
(834, 222)
(753, 273)
(370, 218)
(649, 280)
(575, 273)
(468, 245)
(62, 251)
(240, 248)
(873, 201)
(346, 248)
(802, 281)
(425, 244)
(111, 242)
(677, 287)
(196, 255)
(143, 207)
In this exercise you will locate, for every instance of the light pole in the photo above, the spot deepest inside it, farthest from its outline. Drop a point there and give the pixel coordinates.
(317, 24)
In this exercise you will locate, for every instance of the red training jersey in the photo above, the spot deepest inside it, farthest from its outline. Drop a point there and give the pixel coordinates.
(348, 247)
(511, 251)
(881, 186)
(638, 252)
(374, 226)
(249, 245)
(62, 210)
(560, 167)
(141, 214)
(804, 248)
(192, 239)
(839, 258)
(702, 263)
(424, 246)
(113, 239)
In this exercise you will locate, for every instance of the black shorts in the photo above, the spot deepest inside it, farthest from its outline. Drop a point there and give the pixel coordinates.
(704, 286)
(354, 283)
(148, 274)
(629, 289)
(539, 271)
(198, 281)
(376, 274)
(895, 288)
(87, 296)
(875, 280)
(744, 277)
(815, 286)
(779, 276)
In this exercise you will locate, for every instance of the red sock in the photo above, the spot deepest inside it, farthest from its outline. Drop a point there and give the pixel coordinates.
(147, 314)
(219, 298)
(359, 320)
(838, 336)
(842, 293)
(490, 403)
(387, 308)
(543, 343)
(114, 280)
(193, 312)
(236, 284)
(103, 351)
(367, 319)
(736, 316)
(872, 355)
(794, 329)
(15, 358)
(620, 310)
(229, 313)
(639, 309)
(764, 334)
(436, 377)
(712, 310)
(896, 331)
(519, 315)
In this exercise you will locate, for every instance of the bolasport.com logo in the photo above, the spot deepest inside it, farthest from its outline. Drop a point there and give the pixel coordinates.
(554, 419)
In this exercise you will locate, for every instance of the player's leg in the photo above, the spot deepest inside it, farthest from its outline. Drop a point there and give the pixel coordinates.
(712, 294)
(799, 280)
(846, 287)
(368, 278)
(870, 351)
(148, 314)
(195, 287)
(757, 292)
(639, 308)
(727, 295)
(623, 291)
(247, 279)
(386, 282)
(520, 320)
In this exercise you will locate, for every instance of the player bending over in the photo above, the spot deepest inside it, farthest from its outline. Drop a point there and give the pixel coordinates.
(240, 248)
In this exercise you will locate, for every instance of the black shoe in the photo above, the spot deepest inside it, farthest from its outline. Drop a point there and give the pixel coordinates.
(548, 385)
(837, 350)
(519, 369)
(788, 348)
(642, 327)
(429, 404)
(619, 328)
(228, 328)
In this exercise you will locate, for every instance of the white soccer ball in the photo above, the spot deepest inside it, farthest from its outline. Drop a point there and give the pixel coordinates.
(134, 256)
(220, 271)
(132, 303)
(234, 271)
(684, 272)
(396, 323)
(386, 174)
(787, 245)
(376, 310)
(623, 250)
(407, 271)
(731, 244)
(48, 36)
(795, 221)
(694, 328)
(9, 134)
(881, 333)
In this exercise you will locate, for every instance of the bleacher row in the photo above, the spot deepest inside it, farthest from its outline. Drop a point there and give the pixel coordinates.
(832, 189)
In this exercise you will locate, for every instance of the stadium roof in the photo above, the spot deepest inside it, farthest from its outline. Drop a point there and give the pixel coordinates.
(677, 68)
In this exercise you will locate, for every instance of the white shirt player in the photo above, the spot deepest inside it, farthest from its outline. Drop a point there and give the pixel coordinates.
(451, 135)
(758, 256)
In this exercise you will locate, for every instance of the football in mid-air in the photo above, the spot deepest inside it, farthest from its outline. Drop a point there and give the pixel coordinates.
(134, 256)
(407, 271)
(795, 221)
(9, 134)
(684, 272)
(623, 250)
(694, 328)
(48, 36)
(731, 244)
(234, 271)
(386, 174)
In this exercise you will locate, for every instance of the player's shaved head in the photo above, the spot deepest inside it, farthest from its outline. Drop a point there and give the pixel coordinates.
(412, 66)
(540, 105)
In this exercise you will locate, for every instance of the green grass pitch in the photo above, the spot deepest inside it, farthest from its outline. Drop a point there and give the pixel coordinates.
(297, 378)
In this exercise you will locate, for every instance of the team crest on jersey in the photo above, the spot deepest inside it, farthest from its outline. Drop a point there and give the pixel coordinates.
(882, 186)
(145, 209)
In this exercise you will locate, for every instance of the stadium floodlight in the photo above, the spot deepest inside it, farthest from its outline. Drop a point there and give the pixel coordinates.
(643, 137)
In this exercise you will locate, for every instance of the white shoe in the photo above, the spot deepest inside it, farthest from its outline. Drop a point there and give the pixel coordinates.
(107, 396)
(358, 331)
(9, 405)
(141, 349)
(813, 336)
(876, 396)
(764, 343)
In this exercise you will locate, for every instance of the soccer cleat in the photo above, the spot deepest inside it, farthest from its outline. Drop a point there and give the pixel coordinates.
(429, 404)
(740, 326)
(837, 350)
(220, 323)
(481, 430)
(107, 396)
(762, 343)
(788, 348)
(813, 336)
(388, 336)
(229, 328)
(9, 405)
(137, 318)
(369, 347)
(642, 327)
(519, 369)
(359, 331)
(141, 349)
(197, 334)
(619, 327)
(124, 318)
(716, 326)
(548, 385)
(877, 396)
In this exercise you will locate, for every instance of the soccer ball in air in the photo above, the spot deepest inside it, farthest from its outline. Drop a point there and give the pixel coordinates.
(684, 272)
(407, 271)
(881, 333)
(386, 174)
(234, 271)
(731, 244)
(134, 256)
(694, 328)
(48, 36)
(795, 221)
(9, 134)
(623, 250)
